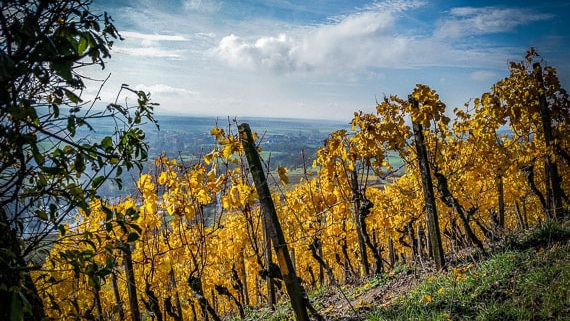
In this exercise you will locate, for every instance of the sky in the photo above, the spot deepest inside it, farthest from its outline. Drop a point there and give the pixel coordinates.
(322, 59)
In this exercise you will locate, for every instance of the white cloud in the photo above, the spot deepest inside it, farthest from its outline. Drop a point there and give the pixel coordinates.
(395, 5)
(352, 42)
(376, 37)
(148, 45)
(149, 52)
(483, 75)
(202, 5)
(465, 21)
(151, 37)
(273, 53)
(164, 89)
(357, 41)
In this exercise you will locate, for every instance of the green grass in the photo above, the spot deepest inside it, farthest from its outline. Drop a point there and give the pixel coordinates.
(529, 282)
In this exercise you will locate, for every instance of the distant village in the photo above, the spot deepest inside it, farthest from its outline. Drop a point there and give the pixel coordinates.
(285, 147)
(288, 143)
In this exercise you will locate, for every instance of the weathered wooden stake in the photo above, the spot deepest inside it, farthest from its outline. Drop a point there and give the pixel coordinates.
(293, 258)
(243, 277)
(553, 189)
(268, 260)
(274, 227)
(357, 199)
(131, 283)
(319, 246)
(392, 255)
(118, 301)
(429, 197)
(501, 199)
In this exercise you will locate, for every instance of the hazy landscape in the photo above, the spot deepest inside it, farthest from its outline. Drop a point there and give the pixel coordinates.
(284, 138)
(284, 141)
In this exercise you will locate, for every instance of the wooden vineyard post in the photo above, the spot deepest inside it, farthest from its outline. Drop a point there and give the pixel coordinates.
(131, 283)
(357, 197)
(243, 277)
(269, 216)
(293, 259)
(501, 200)
(268, 260)
(118, 302)
(553, 189)
(429, 196)
(319, 249)
(392, 255)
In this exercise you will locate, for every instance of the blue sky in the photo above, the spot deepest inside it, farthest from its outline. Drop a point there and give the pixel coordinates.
(322, 59)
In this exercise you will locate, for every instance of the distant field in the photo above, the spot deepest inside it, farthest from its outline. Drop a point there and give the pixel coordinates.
(290, 143)
(257, 124)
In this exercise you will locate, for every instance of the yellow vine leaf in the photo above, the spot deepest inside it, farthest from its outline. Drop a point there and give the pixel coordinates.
(218, 132)
(282, 171)
(427, 298)
(162, 178)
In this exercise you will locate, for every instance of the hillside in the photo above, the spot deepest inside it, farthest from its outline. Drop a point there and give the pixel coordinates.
(199, 238)
(526, 277)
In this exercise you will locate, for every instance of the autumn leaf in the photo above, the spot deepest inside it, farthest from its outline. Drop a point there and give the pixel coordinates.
(282, 171)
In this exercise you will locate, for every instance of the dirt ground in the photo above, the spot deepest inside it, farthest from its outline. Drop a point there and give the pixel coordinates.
(341, 305)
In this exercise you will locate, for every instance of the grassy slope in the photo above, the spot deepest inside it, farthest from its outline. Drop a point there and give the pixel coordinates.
(527, 278)
(524, 281)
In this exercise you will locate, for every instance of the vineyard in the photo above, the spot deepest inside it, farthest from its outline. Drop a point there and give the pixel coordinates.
(194, 243)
